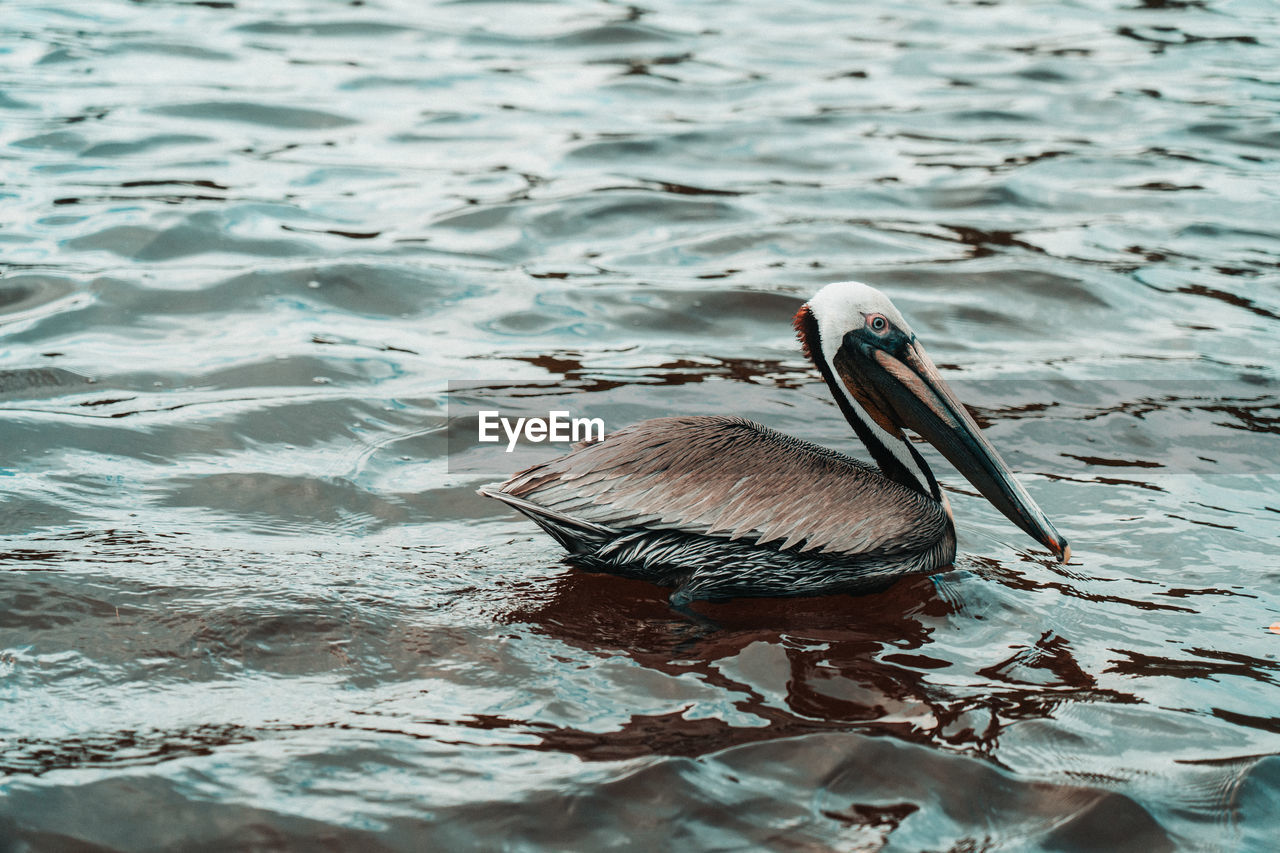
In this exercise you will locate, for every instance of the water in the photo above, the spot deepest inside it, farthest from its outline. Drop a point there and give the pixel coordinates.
(248, 602)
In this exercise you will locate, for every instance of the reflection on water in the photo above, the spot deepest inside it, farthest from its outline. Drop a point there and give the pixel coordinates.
(249, 593)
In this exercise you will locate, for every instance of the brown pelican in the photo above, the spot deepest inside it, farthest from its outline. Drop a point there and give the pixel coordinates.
(721, 507)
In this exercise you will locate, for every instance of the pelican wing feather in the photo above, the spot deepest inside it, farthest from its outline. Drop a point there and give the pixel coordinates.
(731, 477)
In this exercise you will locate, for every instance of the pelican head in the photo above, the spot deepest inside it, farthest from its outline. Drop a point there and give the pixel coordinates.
(884, 383)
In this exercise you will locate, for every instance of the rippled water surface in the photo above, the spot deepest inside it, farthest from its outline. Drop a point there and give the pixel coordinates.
(247, 602)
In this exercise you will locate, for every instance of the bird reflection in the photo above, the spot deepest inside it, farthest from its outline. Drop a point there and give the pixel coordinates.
(801, 665)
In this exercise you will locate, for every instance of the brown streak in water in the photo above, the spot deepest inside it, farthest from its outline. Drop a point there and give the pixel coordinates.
(30, 555)
(1224, 296)
(1113, 463)
(673, 188)
(1113, 481)
(1243, 666)
(107, 402)
(1266, 724)
(986, 416)
(1251, 419)
(887, 817)
(1202, 523)
(981, 240)
(163, 199)
(351, 235)
(1179, 592)
(1163, 186)
(678, 372)
(209, 185)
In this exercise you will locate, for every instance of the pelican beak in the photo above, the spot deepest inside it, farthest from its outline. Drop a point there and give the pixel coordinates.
(908, 392)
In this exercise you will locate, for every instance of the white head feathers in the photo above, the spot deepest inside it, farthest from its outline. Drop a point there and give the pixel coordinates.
(843, 306)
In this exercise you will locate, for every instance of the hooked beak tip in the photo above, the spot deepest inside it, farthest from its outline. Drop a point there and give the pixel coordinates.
(1065, 555)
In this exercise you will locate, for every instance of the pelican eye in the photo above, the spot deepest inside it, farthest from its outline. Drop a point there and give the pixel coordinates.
(877, 322)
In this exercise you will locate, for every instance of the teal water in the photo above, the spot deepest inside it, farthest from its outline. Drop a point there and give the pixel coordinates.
(249, 599)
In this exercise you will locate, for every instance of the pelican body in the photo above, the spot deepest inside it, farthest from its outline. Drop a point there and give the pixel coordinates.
(722, 507)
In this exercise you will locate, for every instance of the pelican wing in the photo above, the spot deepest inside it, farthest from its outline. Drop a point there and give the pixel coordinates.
(730, 477)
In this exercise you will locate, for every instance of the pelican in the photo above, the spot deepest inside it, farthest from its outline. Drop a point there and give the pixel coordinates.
(721, 507)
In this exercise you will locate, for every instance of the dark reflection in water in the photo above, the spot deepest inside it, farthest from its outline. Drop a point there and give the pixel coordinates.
(835, 663)
(253, 260)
